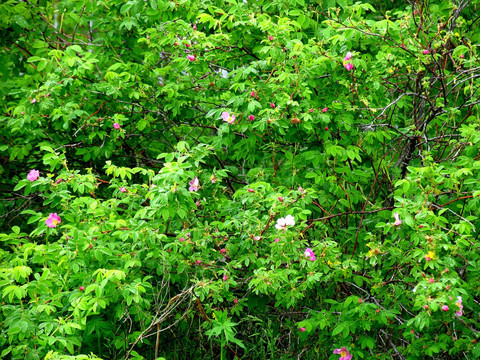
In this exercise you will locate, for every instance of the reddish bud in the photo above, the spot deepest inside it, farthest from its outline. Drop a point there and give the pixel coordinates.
(462, 56)
(270, 38)
(384, 283)
(252, 94)
(251, 190)
(251, 118)
(194, 27)
(187, 45)
(415, 12)
(360, 301)
(412, 331)
(223, 251)
(280, 199)
(378, 310)
(431, 280)
(446, 270)
(311, 110)
(272, 105)
(421, 226)
(423, 274)
(90, 246)
(235, 300)
(81, 288)
(326, 128)
(425, 307)
(447, 287)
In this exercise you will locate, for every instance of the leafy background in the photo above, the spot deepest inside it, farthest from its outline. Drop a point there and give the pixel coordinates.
(159, 271)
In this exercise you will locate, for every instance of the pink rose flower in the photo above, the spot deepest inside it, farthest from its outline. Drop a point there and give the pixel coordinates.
(225, 277)
(348, 66)
(344, 353)
(302, 329)
(252, 94)
(194, 184)
(426, 52)
(251, 118)
(191, 57)
(397, 222)
(310, 255)
(270, 38)
(251, 190)
(459, 304)
(444, 307)
(228, 118)
(324, 110)
(123, 189)
(348, 56)
(33, 175)
(116, 126)
(53, 220)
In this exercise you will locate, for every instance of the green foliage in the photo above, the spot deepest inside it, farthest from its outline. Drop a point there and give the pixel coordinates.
(358, 119)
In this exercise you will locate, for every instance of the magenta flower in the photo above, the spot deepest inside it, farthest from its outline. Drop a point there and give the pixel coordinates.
(348, 56)
(81, 288)
(426, 52)
(123, 189)
(194, 184)
(225, 277)
(181, 239)
(302, 329)
(324, 110)
(397, 222)
(191, 57)
(310, 255)
(53, 220)
(344, 353)
(270, 38)
(251, 118)
(444, 307)
(33, 175)
(228, 118)
(431, 280)
(116, 126)
(277, 240)
(223, 251)
(198, 262)
(459, 304)
(284, 223)
(252, 94)
(213, 179)
(348, 66)
(280, 199)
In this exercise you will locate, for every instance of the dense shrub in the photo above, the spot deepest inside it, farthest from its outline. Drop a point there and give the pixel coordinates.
(254, 179)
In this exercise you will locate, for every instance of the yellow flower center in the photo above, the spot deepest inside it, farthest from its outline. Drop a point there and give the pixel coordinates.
(343, 353)
(54, 222)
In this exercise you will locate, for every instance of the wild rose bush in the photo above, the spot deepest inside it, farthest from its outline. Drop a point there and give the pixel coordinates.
(251, 179)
